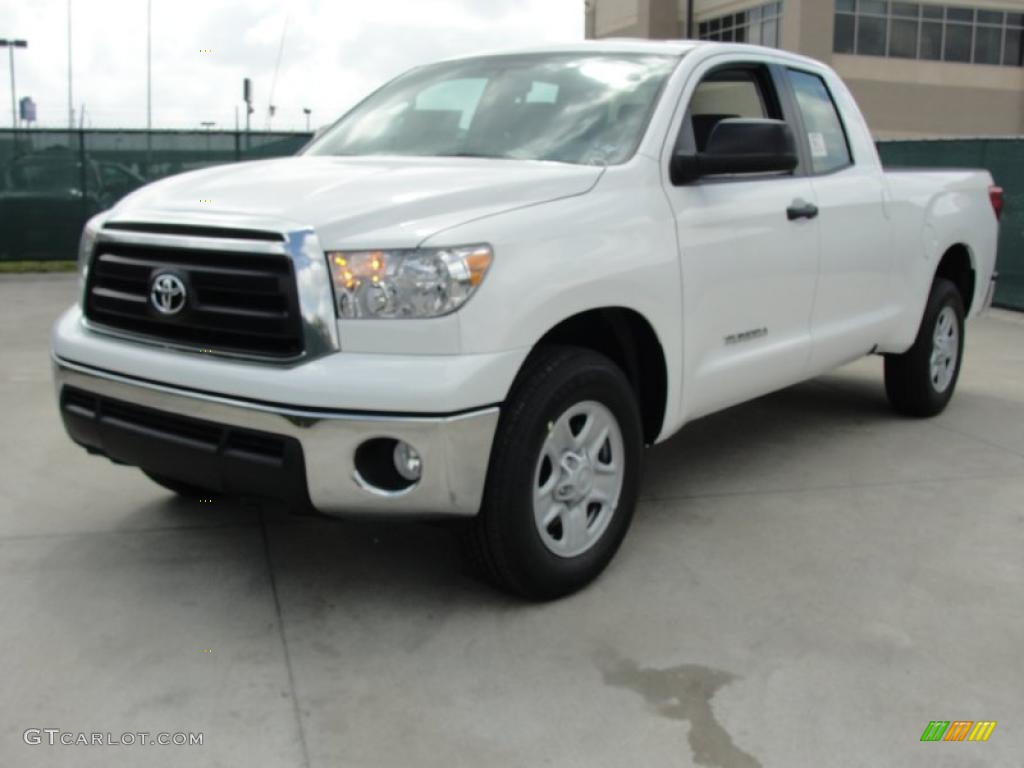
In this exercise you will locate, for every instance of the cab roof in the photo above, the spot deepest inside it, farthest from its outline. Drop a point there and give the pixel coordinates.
(652, 47)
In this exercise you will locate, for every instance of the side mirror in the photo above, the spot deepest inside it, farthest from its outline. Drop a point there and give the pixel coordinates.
(738, 146)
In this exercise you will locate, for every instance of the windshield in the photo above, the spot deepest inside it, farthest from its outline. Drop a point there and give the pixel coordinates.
(570, 108)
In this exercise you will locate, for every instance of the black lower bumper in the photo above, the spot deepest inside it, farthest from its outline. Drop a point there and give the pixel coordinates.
(211, 456)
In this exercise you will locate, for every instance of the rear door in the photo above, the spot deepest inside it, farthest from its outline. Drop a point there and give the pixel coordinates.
(748, 271)
(855, 302)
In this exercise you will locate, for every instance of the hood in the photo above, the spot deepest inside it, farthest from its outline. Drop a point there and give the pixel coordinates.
(359, 202)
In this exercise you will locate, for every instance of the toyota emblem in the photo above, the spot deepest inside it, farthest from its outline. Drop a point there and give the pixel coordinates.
(167, 294)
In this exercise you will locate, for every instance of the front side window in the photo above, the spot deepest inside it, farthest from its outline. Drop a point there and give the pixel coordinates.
(585, 109)
(825, 135)
(742, 92)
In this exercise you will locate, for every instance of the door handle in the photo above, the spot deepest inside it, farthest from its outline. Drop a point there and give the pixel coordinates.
(801, 209)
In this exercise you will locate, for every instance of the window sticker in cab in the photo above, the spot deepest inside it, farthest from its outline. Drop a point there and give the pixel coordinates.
(818, 146)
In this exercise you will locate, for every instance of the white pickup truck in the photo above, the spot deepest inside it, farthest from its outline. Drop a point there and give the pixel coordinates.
(484, 290)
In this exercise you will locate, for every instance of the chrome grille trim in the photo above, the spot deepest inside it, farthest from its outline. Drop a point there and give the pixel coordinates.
(313, 292)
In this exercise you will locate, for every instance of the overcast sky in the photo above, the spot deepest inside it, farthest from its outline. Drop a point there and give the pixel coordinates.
(335, 51)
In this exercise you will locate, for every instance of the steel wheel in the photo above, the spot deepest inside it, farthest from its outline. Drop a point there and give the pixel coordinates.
(578, 479)
(945, 349)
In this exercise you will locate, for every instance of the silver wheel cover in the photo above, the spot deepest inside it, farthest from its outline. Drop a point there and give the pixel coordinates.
(945, 350)
(578, 479)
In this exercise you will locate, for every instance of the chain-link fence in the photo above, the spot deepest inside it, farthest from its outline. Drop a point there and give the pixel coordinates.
(51, 182)
(1005, 159)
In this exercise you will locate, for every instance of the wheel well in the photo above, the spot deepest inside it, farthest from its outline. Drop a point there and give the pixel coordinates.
(956, 267)
(627, 339)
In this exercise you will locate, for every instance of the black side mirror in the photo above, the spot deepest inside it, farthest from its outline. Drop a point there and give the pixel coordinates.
(738, 146)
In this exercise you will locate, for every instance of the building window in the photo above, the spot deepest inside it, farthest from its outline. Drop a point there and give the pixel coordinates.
(929, 32)
(757, 26)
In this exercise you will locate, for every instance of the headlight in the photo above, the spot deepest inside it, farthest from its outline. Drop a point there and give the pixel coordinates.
(408, 283)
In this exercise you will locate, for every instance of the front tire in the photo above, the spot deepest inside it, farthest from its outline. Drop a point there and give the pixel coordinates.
(564, 475)
(921, 381)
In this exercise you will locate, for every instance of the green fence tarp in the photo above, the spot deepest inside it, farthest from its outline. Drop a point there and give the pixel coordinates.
(1004, 158)
(51, 182)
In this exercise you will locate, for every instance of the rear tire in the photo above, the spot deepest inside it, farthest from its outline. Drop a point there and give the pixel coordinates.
(187, 490)
(921, 381)
(563, 477)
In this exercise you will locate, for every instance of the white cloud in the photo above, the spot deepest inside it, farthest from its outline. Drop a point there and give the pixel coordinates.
(335, 52)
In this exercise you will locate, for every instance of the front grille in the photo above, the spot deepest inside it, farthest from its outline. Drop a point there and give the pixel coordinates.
(237, 303)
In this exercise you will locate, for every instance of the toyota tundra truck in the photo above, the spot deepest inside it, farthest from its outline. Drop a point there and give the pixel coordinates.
(487, 288)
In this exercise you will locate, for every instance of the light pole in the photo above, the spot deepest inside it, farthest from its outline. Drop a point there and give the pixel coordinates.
(307, 112)
(207, 124)
(149, 86)
(149, 65)
(11, 45)
(71, 108)
(247, 96)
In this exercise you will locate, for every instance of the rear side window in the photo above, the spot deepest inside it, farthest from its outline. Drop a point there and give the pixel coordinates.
(826, 138)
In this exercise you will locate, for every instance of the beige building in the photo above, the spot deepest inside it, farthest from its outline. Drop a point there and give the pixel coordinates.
(918, 69)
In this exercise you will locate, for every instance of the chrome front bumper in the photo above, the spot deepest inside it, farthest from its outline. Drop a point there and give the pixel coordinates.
(455, 450)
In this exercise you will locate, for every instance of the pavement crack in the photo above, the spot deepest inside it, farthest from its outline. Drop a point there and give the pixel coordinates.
(977, 438)
(284, 642)
(947, 478)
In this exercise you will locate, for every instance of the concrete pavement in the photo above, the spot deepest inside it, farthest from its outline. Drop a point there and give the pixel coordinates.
(809, 581)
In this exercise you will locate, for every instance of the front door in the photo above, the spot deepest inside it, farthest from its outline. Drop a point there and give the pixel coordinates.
(749, 269)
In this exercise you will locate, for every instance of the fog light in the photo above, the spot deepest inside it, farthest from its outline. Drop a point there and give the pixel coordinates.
(407, 461)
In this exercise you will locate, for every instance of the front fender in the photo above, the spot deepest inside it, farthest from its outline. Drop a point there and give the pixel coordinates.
(613, 247)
